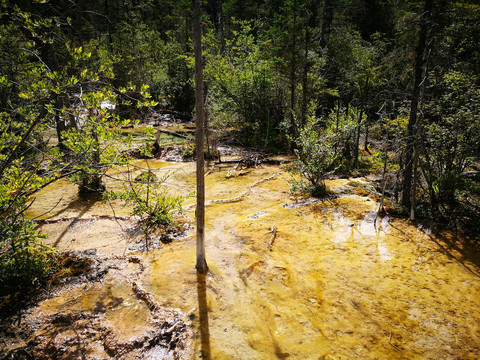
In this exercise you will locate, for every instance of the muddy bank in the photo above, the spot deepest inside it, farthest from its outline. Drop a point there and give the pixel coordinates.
(122, 320)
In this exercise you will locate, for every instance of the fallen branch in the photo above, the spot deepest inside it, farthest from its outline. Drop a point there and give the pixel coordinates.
(172, 133)
(264, 161)
(172, 328)
(394, 346)
(273, 231)
(83, 219)
(237, 198)
(146, 297)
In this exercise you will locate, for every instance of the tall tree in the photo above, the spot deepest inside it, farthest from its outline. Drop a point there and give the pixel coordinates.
(412, 121)
(201, 265)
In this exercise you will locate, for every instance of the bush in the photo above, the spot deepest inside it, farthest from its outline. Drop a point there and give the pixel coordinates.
(151, 201)
(315, 156)
(24, 261)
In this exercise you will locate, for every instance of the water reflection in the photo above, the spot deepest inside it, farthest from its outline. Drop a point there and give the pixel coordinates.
(203, 316)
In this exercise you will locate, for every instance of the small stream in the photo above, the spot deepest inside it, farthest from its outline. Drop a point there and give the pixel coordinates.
(321, 281)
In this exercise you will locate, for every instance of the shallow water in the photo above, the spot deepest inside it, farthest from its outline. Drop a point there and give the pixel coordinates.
(327, 282)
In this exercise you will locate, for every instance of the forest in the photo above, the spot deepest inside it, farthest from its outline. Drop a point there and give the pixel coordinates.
(317, 106)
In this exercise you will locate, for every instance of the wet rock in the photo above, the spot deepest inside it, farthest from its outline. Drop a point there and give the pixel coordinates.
(257, 214)
(299, 203)
(88, 252)
(167, 238)
(171, 153)
(97, 273)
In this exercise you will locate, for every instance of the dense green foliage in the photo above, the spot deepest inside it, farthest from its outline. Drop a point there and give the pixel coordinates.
(321, 79)
(24, 260)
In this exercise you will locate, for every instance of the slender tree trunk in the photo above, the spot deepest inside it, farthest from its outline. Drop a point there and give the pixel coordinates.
(293, 66)
(367, 128)
(206, 115)
(381, 206)
(412, 121)
(413, 200)
(306, 68)
(61, 127)
(357, 139)
(221, 26)
(109, 27)
(336, 128)
(326, 22)
(79, 25)
(201, 264)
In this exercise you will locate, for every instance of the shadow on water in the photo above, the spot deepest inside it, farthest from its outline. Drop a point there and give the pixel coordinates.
(82, 204)
(460, 248)
(203, 312)
(83, 211)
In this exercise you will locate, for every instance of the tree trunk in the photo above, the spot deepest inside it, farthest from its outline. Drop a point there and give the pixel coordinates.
(326, 22)
(60, 127)
(206, 116)
(413, 199)
(201, 264)
(367, 128)
(221, 26)
(336, 128)
(412, 121)
(293, 66)
(306, 69)
(357, 139)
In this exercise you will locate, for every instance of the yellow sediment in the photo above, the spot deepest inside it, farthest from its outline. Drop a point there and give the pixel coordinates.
(332, 284)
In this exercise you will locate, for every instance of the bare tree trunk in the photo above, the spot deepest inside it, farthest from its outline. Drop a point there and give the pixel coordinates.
(412, 121)
(201, 265)
(61, 127)
(413, 200)
(206, 116)
(357, 139)
(293, 66)
(336, 127)
(381, 206)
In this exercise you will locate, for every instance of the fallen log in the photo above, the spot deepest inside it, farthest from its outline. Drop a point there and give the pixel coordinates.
(172, 133)
(264, 161)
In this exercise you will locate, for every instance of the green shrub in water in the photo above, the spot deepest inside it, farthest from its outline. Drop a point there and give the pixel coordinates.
(151, 200)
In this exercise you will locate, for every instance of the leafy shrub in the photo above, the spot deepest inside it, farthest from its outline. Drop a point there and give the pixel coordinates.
(151, 201)
(324, 146)
(24, 260)
(315, 154)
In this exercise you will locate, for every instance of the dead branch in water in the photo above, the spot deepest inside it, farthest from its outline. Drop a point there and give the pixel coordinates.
(273, 231)
(172, 133)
